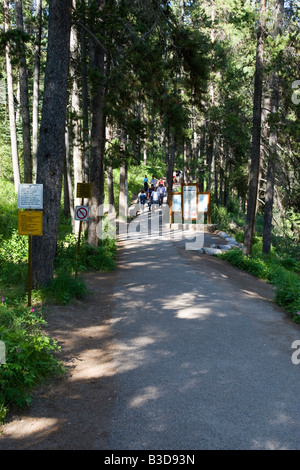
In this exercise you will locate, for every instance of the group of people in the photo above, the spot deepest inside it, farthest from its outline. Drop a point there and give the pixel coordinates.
(152, 194)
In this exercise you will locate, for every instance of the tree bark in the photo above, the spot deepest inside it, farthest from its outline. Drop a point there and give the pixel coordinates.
(11, 107)
(97, 136)
(76, 127)
(51, 152)
(36, 88)
(256, 137)
(24, 99)
(269, 196)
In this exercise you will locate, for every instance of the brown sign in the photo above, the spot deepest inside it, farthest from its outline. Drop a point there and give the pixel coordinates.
(84, 190)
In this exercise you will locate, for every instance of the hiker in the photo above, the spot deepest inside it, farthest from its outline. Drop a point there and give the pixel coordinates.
(153, 181)
(161, 193)
(142, 200)
(154, 196)
(150, 191)
(146, 183)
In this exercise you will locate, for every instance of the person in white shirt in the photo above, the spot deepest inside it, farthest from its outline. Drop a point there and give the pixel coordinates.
(161, 193)
(154, 196)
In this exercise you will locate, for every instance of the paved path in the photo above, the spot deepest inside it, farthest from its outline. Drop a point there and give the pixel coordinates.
(202, 355)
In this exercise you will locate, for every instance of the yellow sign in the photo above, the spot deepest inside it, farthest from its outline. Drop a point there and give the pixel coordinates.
(30, 223)
(84, 190)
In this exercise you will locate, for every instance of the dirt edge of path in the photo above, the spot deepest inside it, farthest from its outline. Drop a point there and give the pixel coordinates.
(72, 411)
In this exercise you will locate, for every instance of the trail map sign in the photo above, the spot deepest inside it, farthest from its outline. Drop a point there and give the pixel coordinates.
(176, 202)
(82, 213)
(190, 203)
(203, 201)
(30, 196)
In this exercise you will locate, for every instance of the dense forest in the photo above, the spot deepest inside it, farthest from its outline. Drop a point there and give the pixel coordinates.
(91, 89)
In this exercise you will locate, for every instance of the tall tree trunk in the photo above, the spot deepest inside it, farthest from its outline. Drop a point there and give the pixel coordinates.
(269, 196)
(68, 179)
(75, 106)
(36, 88)
(170, 162)
(256, 133)
(123, 203)
(51, 152)
(85, 105)
(11, 107)
(24, 99)
(97, 135)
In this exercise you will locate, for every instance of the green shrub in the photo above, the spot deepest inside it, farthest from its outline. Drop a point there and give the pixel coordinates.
(287, 283)
(14, 249)
(287, 293)
(221, 217)
(29, 355)
(64, 287)
(101, 258)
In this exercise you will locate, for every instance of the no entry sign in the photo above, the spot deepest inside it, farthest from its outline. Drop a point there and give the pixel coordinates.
(82, 213)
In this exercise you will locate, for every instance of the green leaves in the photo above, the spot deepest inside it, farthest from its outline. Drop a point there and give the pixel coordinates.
(29, 356)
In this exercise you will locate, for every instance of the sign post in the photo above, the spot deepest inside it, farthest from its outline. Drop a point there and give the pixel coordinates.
(30, 222)
(83, 190)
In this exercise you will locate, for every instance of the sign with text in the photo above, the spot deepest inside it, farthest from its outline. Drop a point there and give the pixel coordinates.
(30, 223)
(30, 196)
(84, 190)
(176, 202)
(203, 201)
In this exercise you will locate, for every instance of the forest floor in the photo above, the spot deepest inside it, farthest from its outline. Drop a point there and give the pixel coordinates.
(74, 410)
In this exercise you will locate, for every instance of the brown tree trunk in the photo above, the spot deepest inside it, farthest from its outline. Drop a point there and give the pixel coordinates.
(255, 150)
(269, 196)
(97, 137)
(36, 87)
(24, 99)
(51, 152)
(11, 107)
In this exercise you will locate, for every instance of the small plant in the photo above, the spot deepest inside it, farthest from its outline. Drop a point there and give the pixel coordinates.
(28, 354)
(64, 287)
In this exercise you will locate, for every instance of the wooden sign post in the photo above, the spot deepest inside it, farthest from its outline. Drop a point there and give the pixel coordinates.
(83, 190)
(30, 223)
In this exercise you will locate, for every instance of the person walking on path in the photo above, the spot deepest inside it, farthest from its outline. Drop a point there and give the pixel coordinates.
(153, 181)
(161, 194)
(142, 200)
(150, 191)
(146, 186)
(154, 197)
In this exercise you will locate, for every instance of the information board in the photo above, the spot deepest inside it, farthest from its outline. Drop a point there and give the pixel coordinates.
(203, 201)
(189, 201)
(84, 190)
(30, 223)
(176, 203)
(30, 196)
